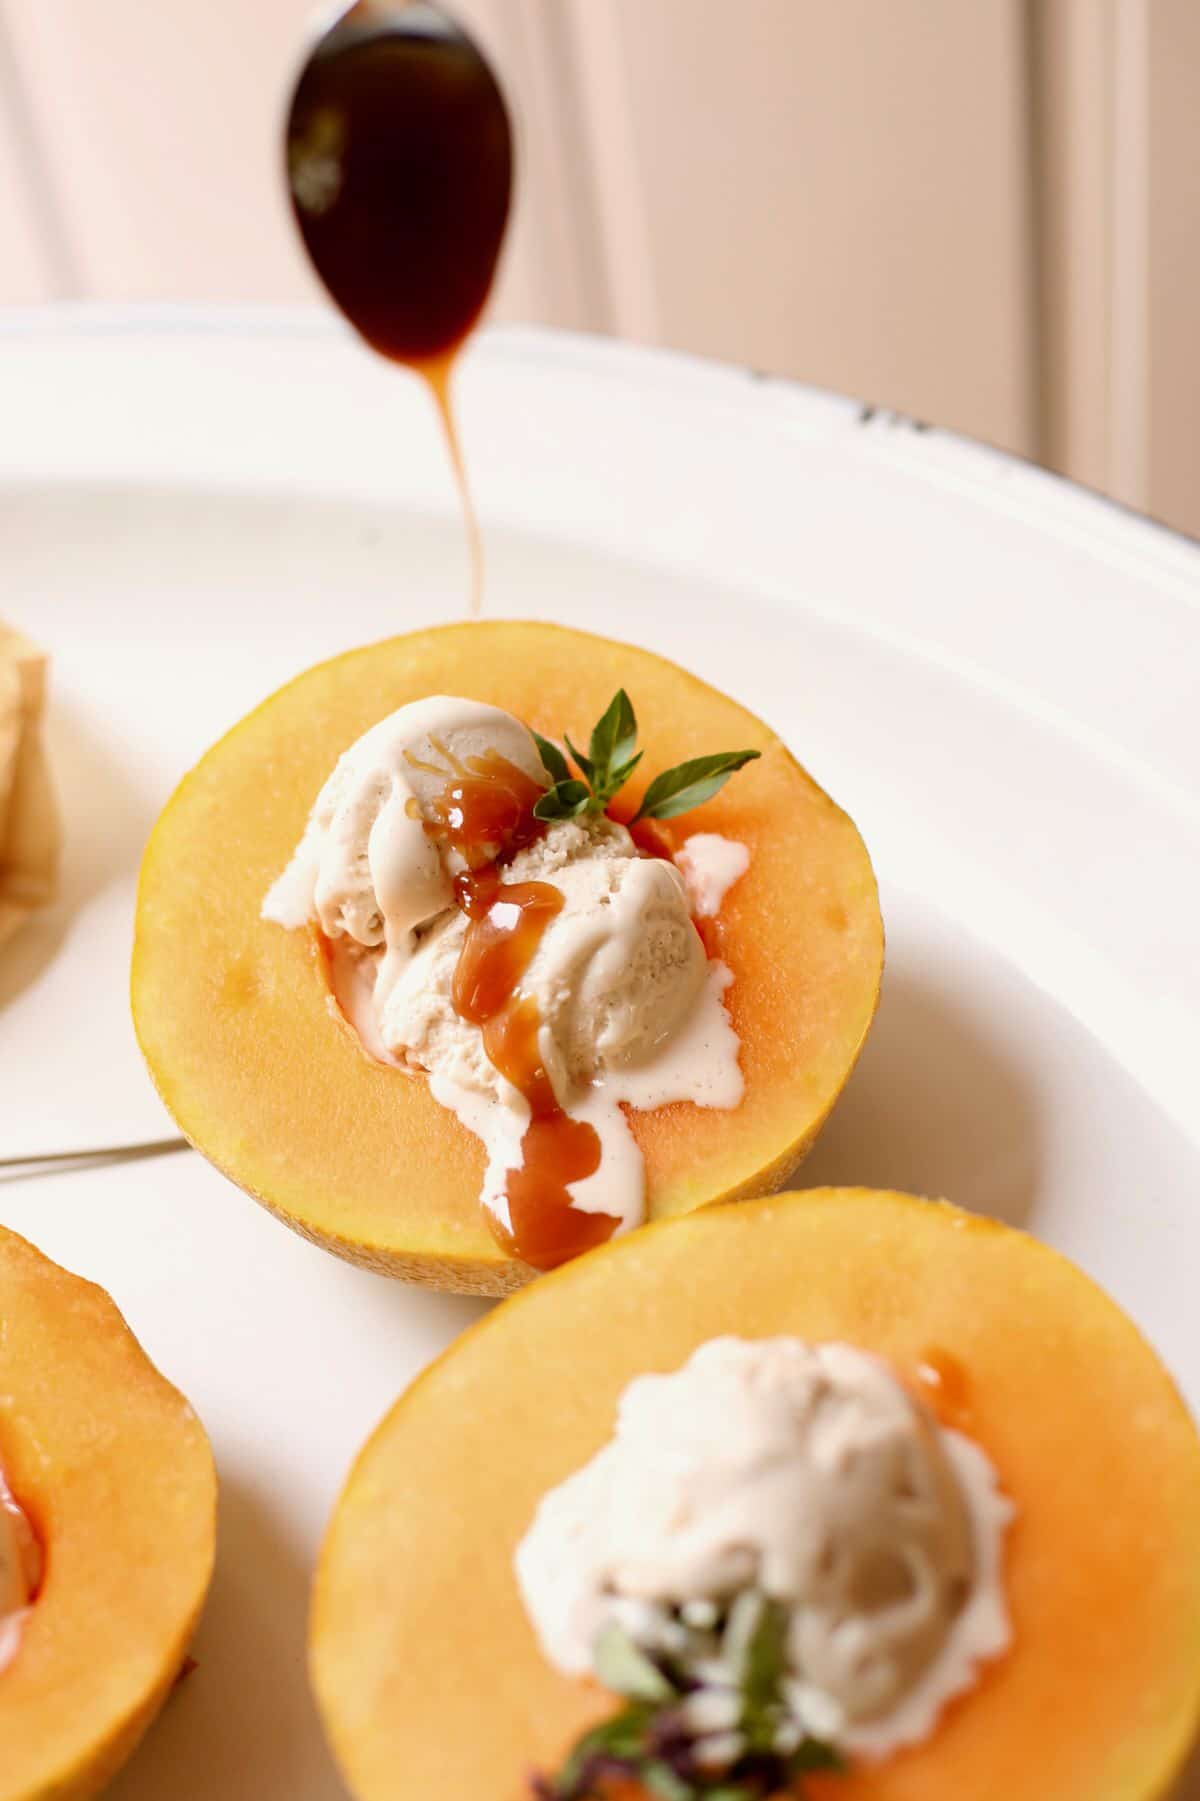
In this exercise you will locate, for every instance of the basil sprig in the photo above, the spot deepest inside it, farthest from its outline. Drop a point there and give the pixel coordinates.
(611, 759)
(655, 1741)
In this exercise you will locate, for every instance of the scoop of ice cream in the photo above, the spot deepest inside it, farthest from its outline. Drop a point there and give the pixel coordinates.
(615, 973)
(629, 1010)
(367, 869)
(806, 1473)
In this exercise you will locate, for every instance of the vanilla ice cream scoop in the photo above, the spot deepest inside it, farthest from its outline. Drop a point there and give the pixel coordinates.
(615, 974)
(630, 1010)
(367, 869)
(810, 1475)
(628, 1006)
(619, 969)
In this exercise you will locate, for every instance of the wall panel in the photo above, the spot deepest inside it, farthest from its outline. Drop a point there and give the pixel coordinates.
(983, 214)
(29, 268)
(160, 127)
(1172, 274)
(838, 192)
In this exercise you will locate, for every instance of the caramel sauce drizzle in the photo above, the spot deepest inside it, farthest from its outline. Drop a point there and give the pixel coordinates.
(436, 373)
(485, 810)
(485, 813)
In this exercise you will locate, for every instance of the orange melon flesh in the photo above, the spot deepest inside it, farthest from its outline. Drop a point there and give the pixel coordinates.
(262, 1074)
(114, 1471)
(426, 1669)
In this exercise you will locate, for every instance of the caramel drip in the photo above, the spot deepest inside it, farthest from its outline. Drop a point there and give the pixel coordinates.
(436, 374)
(448, 757)
(507, 921)
(486, 814)
(415, 762)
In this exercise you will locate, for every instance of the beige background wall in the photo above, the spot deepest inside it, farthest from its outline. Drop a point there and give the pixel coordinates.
(982, 212)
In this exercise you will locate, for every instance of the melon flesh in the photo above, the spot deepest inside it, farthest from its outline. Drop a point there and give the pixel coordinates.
(426, 1668)
(234, 1015)
(114, 1471)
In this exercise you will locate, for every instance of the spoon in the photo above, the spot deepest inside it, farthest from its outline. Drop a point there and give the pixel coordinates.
(400, 163)
(53, 1162)
(400, 168)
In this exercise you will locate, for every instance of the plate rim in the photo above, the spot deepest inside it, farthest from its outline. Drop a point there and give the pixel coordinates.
(76, 321)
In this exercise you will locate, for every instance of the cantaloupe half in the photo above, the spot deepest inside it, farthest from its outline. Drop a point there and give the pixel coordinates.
(427, 1673)
(113, 1469)
(264, 1076)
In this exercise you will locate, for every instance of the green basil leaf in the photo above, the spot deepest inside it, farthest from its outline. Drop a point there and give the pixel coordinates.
(747, 1613)
(623, 1667)
(624, 1738)
(689, 784)
(760, 1658)
(553, 759)
(566, 800)
(618, 777)
(814, 1754)
(661, 1779)
(634, 1742)
(613, 736)
(585, 763)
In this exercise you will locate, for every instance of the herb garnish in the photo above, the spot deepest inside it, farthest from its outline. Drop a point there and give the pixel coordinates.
(612, 758)
(728, 1735)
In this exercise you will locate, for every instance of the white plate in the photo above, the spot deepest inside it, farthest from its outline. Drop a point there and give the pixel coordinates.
(997, 674)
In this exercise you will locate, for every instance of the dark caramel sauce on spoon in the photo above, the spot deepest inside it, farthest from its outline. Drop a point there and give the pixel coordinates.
(399, 156)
